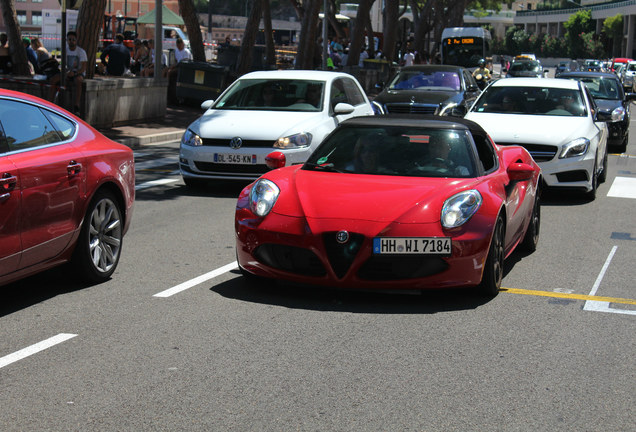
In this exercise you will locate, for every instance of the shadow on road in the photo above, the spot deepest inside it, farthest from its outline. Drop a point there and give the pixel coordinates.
(354, 301)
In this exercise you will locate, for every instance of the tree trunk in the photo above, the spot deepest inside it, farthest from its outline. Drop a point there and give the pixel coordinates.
(331, 17)
(90, 20)
(249, 38)
(307, 42)
(16, 48)
(357, 39)
(189, 15)
(391, 18)
(270, 48)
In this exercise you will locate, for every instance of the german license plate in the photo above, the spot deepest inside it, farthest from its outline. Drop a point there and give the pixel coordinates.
(233, 158)
(412, 245)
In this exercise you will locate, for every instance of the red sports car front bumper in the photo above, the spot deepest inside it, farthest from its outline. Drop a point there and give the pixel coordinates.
(283, 247)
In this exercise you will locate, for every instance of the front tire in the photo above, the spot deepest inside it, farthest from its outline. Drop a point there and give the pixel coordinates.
(591, 195)
(531, 239)
(99, 245)
(493, 271)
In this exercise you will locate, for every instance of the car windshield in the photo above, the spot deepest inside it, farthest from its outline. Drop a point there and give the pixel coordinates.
(631, 67)
(396, 151)
(273, 95)
(602, 88)
(532, 100)
(426, 80)
(525, 66)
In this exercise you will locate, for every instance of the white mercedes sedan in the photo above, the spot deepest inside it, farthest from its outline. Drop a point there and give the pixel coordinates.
(291, 111)
(556, 120)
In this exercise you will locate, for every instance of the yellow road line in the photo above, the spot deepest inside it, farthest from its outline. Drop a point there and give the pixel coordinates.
(568, 296)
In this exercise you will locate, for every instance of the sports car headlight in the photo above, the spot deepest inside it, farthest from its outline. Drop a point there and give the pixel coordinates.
(293, 141)
(377, 108)
(618, 114)
(447, 109)
(263, 196)
(578, 147)
(191, 139)
(460, 207)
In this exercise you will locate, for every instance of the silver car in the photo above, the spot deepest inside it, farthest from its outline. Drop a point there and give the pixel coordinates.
(628, 75)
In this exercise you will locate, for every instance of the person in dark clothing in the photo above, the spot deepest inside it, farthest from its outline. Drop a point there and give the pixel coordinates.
(118, 57)
(31, 55)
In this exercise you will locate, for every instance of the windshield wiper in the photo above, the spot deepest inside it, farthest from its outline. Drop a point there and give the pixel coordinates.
(323, 167)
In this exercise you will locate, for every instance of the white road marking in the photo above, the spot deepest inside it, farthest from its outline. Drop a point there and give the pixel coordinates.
(623, 187)
(154, 183)
(603, 306)
(33, 349)
(197, 280)
(153, 163)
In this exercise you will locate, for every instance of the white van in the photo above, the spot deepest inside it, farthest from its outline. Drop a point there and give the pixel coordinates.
(170, 35)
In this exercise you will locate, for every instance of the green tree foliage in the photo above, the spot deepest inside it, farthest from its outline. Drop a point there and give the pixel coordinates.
(576, 26)
(613, 28)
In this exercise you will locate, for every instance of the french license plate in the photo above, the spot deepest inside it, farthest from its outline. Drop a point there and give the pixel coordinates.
(232, 158)
(412, 245)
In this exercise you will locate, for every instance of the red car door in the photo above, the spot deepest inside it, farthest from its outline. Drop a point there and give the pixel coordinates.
(50, 176)
(10, 248)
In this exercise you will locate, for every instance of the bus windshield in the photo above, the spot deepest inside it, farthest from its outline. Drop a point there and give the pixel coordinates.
(463, 54)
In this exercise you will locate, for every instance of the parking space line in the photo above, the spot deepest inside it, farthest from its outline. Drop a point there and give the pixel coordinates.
(597, 283)
(569, 296)
(197, 280)
(33, 349)
(153, 183)
(623, 187)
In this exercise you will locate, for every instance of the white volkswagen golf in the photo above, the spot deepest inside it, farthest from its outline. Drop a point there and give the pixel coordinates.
(556, 120)
(291, 111)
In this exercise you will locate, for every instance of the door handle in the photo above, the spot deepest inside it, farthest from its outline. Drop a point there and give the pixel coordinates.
(74, 168)
(8, 182)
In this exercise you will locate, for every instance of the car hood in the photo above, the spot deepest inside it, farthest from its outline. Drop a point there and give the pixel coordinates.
(372, 201)
(534, 129)
(608, 105)
(417, 96)
(257, 125)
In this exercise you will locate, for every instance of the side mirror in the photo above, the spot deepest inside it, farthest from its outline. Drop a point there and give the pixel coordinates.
(343, 108)
(207, 104)
(520, 171)
(630, 96)
(275, 160)
(603, 116)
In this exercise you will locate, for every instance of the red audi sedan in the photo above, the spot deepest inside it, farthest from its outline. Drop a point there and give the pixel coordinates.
(66, 192)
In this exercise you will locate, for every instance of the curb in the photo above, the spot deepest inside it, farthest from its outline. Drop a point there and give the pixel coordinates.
(135, 142)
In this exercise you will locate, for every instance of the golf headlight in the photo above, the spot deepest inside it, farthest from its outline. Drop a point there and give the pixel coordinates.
(293, 141)
(618, 114)
(447, 109)
(191, 139)
(263, 196)
(574, 148)
(460, 207)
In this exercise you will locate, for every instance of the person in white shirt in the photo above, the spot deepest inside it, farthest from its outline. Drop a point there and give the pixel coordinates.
(409, 58)
(76, 65)
(180, 54)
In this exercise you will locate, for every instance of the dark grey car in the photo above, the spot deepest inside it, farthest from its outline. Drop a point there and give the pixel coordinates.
(428, 89)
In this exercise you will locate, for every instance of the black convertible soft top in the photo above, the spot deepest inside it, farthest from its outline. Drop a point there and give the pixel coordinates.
(407, 120)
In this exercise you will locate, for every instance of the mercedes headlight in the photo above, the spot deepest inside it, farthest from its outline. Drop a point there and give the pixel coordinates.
(460, 207)
(618, 114)
(263, 196)
(578, 147)
(447, 109)
(191, 139)
(377, 108)
(293, 141)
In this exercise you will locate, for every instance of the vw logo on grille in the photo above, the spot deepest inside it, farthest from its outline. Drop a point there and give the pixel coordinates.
(342, 237)
(236, 142)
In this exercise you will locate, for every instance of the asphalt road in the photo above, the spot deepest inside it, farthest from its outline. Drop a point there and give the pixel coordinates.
(177, 340)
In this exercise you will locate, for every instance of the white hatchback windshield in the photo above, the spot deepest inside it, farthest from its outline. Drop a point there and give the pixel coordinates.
(273, 95)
